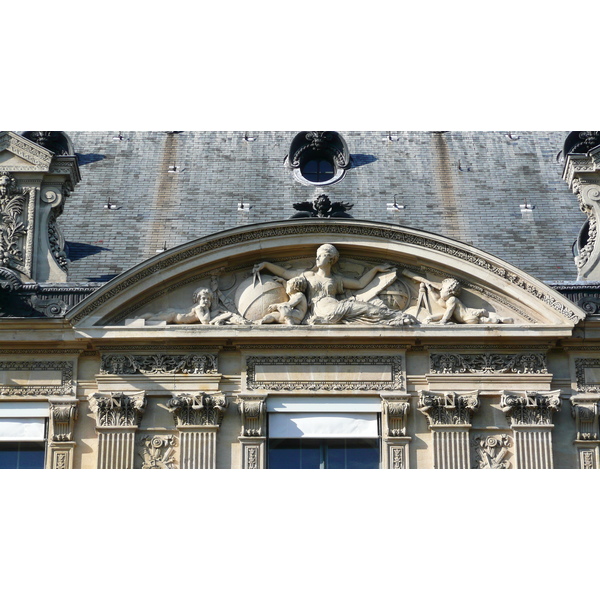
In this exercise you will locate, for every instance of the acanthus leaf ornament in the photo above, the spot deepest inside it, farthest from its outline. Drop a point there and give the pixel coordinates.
(198, 409)
(12, 226)
(118, 409)
(530, 408)
(448, 408)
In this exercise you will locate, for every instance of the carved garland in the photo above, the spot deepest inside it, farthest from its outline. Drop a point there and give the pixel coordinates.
(129, 364)
(488, 363)
(397, 382)
(65, 388)
(316, 229)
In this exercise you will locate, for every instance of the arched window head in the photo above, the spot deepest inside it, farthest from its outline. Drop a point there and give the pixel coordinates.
(318, 157)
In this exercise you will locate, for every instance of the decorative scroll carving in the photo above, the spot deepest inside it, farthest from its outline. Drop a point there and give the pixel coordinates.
(157, 452)
(395, 413)
(586, 419)
(396, 383)
(491, 451)
(56, 240)
(252, 412)
(198, 409)
(448, 408)
(347, 229)
(581, 364)
(63, 415)
(117, 409)
(488, 363)
(327, 142)
(12, 226)
(130, 364)
(65, 388)
(530, 408)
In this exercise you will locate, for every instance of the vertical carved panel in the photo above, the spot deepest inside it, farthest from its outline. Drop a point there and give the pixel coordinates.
(585, 409)
(252, 409)
(394, 411)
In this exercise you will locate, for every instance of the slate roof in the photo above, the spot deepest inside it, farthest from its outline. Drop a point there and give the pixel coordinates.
(478, 203)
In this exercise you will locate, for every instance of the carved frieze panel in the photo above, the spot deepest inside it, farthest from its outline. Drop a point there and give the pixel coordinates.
(448, 408)
(117, 409)
(36, 378)
(328, 373)
(157, 451)
(491, 451)
(198, 409)
(530, 408)
(521, 363)
(151, 364)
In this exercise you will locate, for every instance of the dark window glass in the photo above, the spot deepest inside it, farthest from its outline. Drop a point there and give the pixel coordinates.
(22, 455)
(303, 453)
(318, 170)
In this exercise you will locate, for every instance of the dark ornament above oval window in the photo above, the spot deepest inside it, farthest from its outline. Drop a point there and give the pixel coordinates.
(318, 157)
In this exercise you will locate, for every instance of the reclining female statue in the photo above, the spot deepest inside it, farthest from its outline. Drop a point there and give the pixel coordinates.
(323, 287)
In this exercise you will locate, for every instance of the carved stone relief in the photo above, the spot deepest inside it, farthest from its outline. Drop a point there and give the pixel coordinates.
(157, 451)
(491, 451)
(63, 415)
(586, 419)
(130, 364)
(252, 412)
(197, 409)
(395, 413)
(326, 293)
(488, 363)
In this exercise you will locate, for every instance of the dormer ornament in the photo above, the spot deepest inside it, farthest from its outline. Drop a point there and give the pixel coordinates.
(322, 208)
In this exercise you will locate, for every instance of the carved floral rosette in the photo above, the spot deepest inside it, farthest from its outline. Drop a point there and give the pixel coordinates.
(448, 408)
(157, 452)
(153, 364)
(491, 452)
(198, 409)
(530, 408)
(117, 409)
(444, 363)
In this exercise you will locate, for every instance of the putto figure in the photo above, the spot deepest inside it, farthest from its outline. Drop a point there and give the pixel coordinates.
(446, 294)
(323, 286)
(294, 310)
(201, 312)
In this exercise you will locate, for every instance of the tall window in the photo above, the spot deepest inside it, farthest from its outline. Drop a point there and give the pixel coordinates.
(23, 428)
(334, 433)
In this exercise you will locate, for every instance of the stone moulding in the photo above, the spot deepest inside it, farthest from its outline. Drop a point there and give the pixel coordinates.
(65, 388)
(396, 383)
(298, 228)
(522, 363)
(130, 364)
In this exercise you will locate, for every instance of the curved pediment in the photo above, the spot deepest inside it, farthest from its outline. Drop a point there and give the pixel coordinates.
(429, 281)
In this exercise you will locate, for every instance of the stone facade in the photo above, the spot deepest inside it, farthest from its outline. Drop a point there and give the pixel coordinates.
(452, 353)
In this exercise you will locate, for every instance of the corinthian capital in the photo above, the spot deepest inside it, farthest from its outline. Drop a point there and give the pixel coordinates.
(198, 409)
(448, 408)
(530, 408)
(117, 409)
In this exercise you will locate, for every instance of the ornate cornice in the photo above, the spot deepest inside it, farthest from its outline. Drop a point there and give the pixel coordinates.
(530, 408)
(308, 228)
(129, 364)
(117, 409)
(448, 408)
(197, 409)
(525, 363)
(27, 150)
